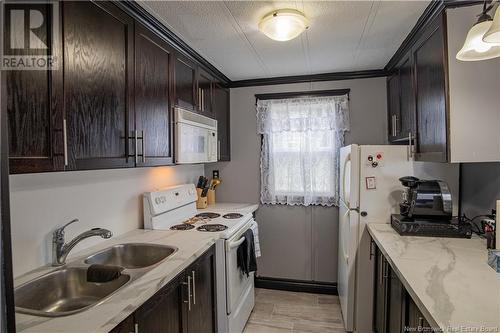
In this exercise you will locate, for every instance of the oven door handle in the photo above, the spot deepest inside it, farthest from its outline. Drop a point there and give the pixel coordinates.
(232, 245)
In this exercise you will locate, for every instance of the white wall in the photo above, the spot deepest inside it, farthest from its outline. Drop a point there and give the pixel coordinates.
(103, 198)
(297, 242)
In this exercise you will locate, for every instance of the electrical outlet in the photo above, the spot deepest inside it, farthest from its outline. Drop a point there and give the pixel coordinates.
(215, 174)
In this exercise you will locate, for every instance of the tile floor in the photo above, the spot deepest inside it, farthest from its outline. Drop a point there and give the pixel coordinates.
(283, 311)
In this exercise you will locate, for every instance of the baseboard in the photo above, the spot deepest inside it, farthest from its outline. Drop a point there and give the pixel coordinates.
(296, 285)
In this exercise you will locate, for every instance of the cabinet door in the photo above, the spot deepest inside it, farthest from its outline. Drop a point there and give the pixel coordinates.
(126, 326)
(163, 313)
(396, 307)
(393, 105)
(205, 105)
(153, 117)
(34, 109)
(380, 314)
(429, 62)
(98, 83)
(201, 318)
(221, 108)
(416, 320)
(185, 83)
(407, 99)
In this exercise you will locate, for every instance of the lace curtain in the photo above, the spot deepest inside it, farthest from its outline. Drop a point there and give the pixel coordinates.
(300, 149)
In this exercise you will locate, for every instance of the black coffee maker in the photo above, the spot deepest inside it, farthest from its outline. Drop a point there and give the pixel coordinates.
(426, 210)
(425, 199)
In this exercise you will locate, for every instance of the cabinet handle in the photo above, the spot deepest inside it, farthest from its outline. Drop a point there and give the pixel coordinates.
(189, 293)
(381, 268)
(396, 130)
(194, 287)
(409, 148)
(414, 146)
(393, 125)
(385, 270)
(136, 146)
(143, 147)
(420, 322)
(199, 98)
(65, 142)
(371, 249)
(136, 328)
(218, 150)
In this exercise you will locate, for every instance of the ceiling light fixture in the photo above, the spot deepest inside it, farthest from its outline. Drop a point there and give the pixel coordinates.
(474, 47)
(283, 24)
(493, 34)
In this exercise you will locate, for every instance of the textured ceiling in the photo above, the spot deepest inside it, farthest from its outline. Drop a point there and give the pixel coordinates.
(343, 35)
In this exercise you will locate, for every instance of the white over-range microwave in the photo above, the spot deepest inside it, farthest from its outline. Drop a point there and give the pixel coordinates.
(195, 138)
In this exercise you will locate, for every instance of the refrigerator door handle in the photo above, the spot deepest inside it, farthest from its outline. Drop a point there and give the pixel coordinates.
(344, 192)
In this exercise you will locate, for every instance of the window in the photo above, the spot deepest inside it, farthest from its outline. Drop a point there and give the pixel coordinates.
(301, 141)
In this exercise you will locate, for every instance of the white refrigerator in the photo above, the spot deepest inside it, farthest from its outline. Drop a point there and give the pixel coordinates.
(369, 192)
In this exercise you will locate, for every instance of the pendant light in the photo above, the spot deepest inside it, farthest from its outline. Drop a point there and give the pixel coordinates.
(475, 48)
(493, 34)
(283, 24)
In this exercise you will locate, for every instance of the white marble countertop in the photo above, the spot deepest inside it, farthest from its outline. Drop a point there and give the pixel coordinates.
(448, 278)
(105, 316)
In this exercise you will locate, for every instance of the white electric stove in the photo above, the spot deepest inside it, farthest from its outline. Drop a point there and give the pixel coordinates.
(174, 208)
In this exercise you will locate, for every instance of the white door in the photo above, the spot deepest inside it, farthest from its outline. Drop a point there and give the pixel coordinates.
(348, 231)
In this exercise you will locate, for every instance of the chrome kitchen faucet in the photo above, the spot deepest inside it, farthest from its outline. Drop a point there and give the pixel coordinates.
(60, 249)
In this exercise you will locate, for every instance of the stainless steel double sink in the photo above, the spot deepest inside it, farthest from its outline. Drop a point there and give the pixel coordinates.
(66, 290)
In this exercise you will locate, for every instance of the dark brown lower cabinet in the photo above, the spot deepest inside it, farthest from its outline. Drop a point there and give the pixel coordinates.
(186, 305)
(126, 326)
(201, 317)
(394, 310)
(416, 320)
(381, 288)
(396, 306)
(164, 311)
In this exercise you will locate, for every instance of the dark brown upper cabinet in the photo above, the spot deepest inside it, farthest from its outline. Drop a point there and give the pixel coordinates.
(205, 93)
(394, 105)
(221, 108)
(417, 96)
(438, 92)
(98, 85)
(406, 129)
(400, 102)
(430, 94)
(35, 118)
(153, 117)
(109, 103)
(186, 94)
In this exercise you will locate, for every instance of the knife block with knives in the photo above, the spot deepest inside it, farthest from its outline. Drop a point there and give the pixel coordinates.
(202, 201)
(206, 192)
